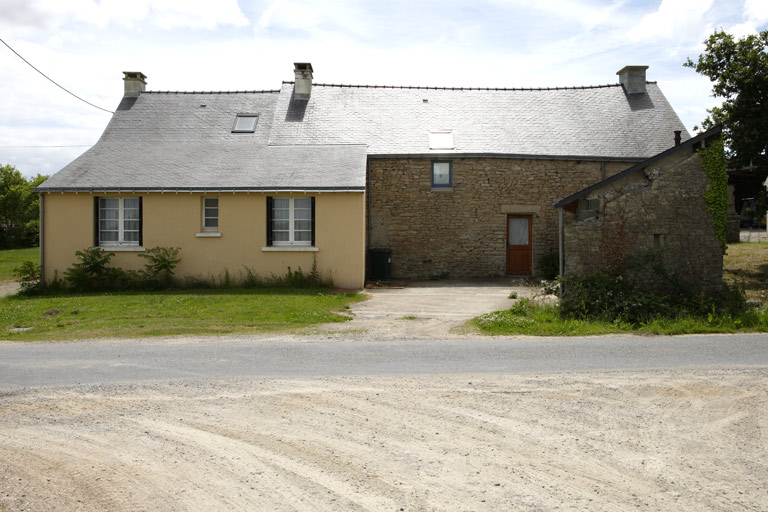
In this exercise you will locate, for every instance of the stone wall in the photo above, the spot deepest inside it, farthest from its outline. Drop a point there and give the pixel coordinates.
(658, 211)
(461, 231)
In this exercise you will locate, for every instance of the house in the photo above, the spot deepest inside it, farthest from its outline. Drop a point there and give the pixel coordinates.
(455, 181)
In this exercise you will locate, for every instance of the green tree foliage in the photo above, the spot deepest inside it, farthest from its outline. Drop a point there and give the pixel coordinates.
(739, 72)
(19, 219)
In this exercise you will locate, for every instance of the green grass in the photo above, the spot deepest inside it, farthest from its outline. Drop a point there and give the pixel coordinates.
(187, 312)
(745, 263)
(545, 321)
(12, 257)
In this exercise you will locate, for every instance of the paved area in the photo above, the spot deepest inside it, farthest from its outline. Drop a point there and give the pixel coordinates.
(8, 288)
(430, 309)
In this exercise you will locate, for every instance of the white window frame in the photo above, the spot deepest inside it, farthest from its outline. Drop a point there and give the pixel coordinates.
(205, 208)
(121, 220)
(291, 223)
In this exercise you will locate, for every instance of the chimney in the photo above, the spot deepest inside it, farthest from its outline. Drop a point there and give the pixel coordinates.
(678, 137)
(302, 88)
(135, 83)
(633, 79)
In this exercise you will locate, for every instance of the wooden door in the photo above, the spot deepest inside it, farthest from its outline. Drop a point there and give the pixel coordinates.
(519, 245)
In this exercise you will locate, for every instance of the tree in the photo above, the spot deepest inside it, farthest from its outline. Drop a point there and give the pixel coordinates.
(739, 72)
(19, 225)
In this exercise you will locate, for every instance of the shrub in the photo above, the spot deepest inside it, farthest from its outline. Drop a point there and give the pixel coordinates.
(549, 265)
(94, 273)
(616, 298)
(30, 277)
(160, 264)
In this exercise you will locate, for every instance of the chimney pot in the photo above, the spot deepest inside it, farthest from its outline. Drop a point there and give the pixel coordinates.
(135, 83)
(678, 137)
(633, 79)
(302, 87)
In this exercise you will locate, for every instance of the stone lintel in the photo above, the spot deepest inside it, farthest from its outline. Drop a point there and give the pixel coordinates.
(521, 208)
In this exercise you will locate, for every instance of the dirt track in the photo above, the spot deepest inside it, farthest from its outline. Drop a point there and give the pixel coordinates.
(662, 440)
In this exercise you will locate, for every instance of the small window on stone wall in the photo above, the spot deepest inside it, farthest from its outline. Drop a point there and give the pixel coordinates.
(588, 209)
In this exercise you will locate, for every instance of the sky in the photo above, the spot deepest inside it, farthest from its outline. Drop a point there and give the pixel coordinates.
(201, 45)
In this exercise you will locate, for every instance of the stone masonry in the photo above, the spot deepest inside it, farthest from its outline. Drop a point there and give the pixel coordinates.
(461, 231)
(658, 211)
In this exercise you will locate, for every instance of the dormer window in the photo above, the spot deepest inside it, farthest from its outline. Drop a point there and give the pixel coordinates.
(245, 123)
(441, 139)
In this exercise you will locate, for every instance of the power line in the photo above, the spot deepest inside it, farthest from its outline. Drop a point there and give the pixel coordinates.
(52, 81)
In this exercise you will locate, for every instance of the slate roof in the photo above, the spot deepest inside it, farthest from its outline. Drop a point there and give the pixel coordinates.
(184, 141)
(600, 122)
(170, 141)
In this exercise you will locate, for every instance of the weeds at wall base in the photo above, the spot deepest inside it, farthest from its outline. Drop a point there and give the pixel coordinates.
(93, 273)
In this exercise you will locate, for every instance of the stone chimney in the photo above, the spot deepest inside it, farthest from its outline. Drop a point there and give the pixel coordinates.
(135, 83)
(302, 88)
(633, 79)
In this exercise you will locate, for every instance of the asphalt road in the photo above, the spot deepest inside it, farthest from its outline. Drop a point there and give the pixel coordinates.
(129, 361)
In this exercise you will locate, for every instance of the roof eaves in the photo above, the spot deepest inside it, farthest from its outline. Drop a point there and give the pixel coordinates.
(190, 190)
(521, 156)
(642, 165)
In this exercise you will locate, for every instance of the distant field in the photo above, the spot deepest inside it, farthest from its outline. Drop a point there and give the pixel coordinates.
(12, 257)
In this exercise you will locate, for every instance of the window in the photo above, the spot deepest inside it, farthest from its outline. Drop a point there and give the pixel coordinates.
(245, 123)
(441, 139)
(210, 214)
(291, 221)
(118, 221)
(589, 208)
(441, 173)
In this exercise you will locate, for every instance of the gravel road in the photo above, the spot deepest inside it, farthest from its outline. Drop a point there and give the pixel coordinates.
(687, 440)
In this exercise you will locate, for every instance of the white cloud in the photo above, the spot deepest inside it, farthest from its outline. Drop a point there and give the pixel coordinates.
(675, 20)
(756, 11)
(742, 30)
(166, 14)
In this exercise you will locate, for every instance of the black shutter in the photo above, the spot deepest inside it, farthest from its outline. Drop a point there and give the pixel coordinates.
(95, 221)
(313, 221)
(269, 221)
(141, 222)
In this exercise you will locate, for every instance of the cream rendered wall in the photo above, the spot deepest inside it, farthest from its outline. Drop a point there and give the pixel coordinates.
(175, 220)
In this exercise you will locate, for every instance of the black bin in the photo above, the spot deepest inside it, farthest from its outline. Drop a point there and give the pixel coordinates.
(381, 264)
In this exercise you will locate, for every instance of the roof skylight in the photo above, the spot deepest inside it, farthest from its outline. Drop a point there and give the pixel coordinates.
(441, 139)
(245, 123)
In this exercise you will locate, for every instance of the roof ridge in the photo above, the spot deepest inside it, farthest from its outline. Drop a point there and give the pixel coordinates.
(212, 92)
(564, 88)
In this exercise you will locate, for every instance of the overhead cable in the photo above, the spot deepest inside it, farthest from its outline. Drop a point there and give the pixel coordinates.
(52, 81)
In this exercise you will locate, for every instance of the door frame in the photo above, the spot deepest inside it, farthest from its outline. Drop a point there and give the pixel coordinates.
(529, 217)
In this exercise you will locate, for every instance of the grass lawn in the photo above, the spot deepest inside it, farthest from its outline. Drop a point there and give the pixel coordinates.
(12, 257)
(745, 263)
(168, 313)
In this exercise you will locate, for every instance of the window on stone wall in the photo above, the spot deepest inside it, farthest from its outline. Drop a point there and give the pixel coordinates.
(442, 174)
(589, 209)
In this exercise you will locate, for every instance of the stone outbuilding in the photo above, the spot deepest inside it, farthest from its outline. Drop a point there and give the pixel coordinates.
(653, 214)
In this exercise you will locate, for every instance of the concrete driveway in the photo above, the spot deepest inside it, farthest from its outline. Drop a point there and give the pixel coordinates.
(430, 309)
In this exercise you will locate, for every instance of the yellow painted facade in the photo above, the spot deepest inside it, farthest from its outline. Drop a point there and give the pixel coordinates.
(175, 220)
